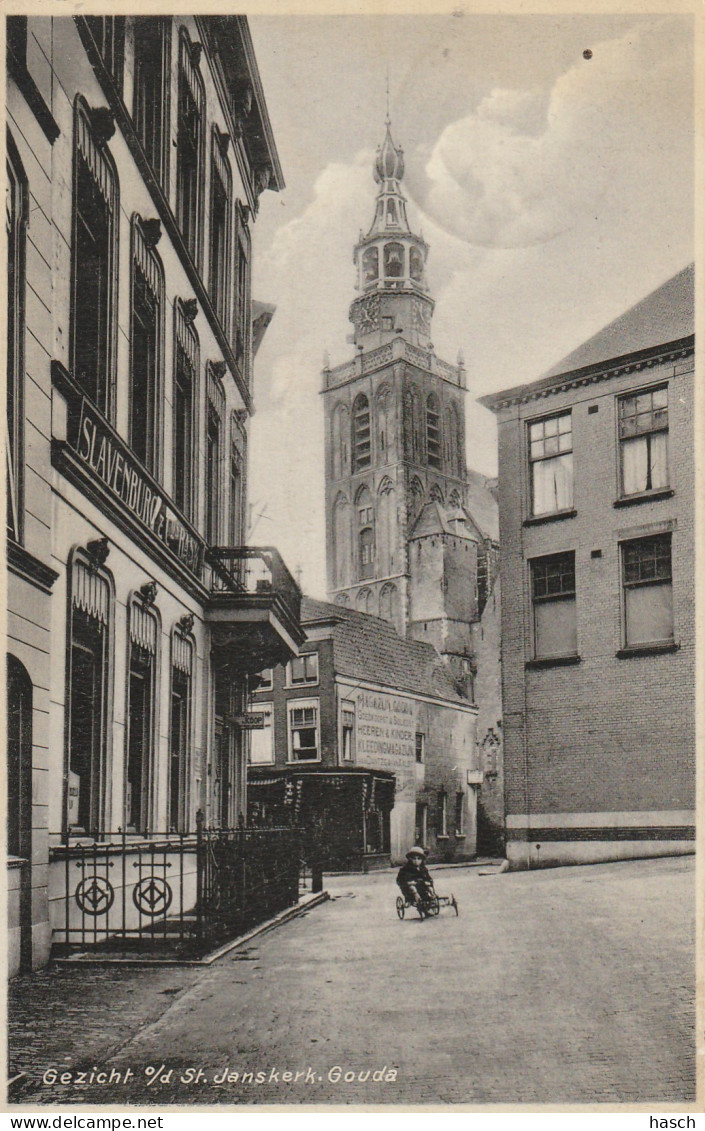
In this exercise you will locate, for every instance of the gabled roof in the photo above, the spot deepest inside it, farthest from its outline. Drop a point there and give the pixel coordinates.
(666, 317)
(367, 648)
(433, 518)
(482, 504)
(481, 514)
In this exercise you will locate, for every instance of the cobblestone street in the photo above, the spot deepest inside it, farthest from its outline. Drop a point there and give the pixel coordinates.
(573, 985)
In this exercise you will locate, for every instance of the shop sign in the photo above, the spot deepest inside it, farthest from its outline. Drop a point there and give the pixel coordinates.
(253, 721)
(111, 461)
(386, 738)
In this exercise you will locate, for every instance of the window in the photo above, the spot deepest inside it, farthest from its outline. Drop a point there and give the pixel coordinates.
(262, 741)
(189, 146)
(416, 264)
(88, 716)
(266, 680)
(219, 253)
(553, 593)
(460, 814)
(180, 731)
(16, 226)
(393, 260)
(304, 669)
(242, 299)
(108, 34)
(421, 824)
(648, 590)
(361, 433)
(151, 89)
(94, 265)
(141, 678)
(340, 441)
(19, 759)
(186, 368)
(236, 522)
(212, 477)
(367, 552)
(370, 265)
(643, 441)
(433, 432)
(347, 720)
(420, 744)
(551, 463)
(442, 813)
(303, 730)
(145, 410)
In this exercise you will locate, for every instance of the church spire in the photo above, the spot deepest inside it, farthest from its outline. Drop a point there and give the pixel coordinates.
(391, 262)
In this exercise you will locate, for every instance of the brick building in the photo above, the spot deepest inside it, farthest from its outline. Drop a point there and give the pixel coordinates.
(596, 485)
(138, 148)
(367, 743)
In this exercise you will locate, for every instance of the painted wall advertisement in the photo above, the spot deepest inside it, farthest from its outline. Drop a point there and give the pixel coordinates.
(386, 735)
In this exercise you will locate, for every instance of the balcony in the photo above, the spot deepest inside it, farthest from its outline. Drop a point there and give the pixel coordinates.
(254, 608)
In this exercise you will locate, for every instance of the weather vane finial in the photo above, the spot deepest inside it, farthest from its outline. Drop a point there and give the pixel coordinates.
(388, 120)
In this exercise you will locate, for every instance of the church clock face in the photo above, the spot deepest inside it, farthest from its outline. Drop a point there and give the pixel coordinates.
(421, 317)
(367, 315)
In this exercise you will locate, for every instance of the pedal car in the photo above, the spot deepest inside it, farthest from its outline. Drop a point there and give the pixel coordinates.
(429, 907)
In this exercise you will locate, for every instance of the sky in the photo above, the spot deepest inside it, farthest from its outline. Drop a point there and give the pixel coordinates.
(549, 166)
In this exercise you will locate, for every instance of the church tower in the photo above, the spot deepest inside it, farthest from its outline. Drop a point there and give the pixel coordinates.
(399, 540)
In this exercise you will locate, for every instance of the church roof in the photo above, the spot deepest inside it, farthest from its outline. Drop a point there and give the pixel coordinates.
(481, 514)
(482, 504)
(368, 648)
(664, 316)
(433, 518)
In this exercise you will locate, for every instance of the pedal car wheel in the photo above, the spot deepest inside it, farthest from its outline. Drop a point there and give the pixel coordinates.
(454, 905)
(400, 907)
(433, 907)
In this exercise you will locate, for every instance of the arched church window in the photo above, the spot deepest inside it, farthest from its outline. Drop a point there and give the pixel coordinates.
(389, 604)
(341, 540)
(436, 494)
(393, 260)
(343, 600)
(450, 436)
(370, 264)
(454, 499)
(433, 431)
(340, 442)
(366, 544)
(391, 212)
(361, 432)
(386, 527)
(381, 414)
(415, 264)
(364, 601)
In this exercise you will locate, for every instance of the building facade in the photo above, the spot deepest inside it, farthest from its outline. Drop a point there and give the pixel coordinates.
(367, 743)
(138, 148)
(596, 484)
(405, 536)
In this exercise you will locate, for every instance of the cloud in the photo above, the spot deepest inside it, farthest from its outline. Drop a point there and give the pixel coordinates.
(524, 166)
(307, 272)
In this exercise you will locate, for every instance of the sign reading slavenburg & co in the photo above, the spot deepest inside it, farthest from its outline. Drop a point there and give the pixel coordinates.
(103, 456)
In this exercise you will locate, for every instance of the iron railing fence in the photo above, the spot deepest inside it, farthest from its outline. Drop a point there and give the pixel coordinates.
(171, 894)
(246, 876)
